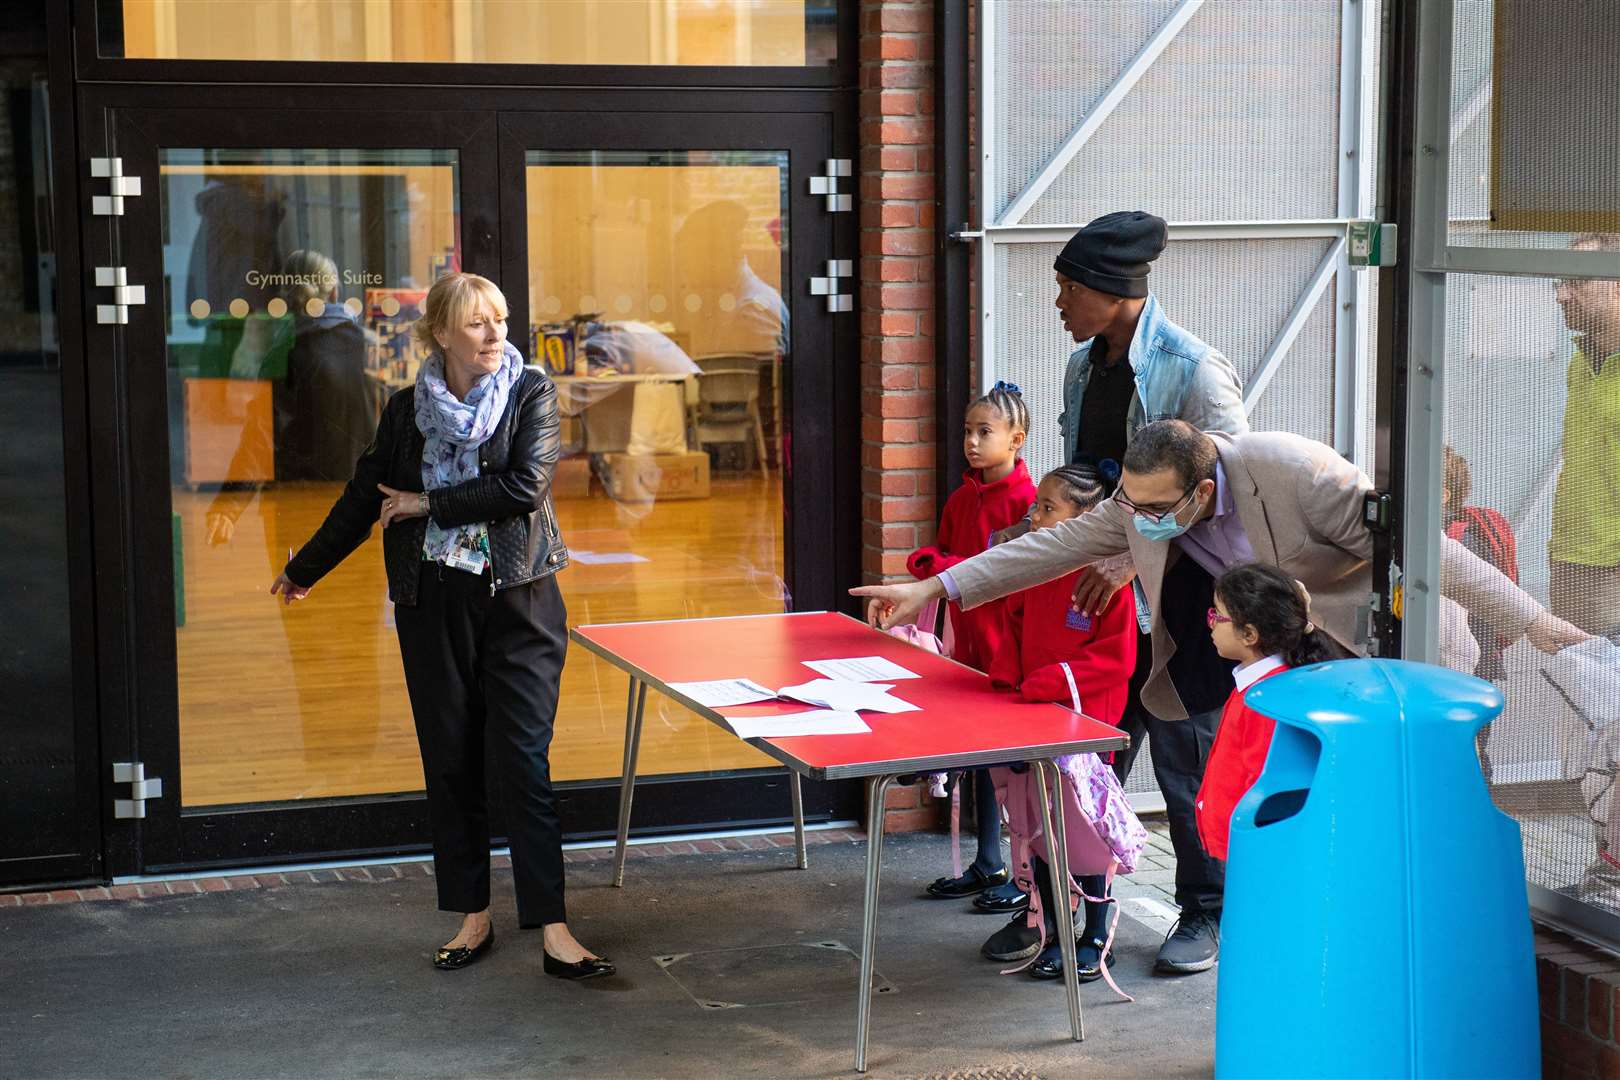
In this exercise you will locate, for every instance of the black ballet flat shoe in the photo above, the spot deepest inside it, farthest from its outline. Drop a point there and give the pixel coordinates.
(461, 955)
(1088, 961)
(588, 968)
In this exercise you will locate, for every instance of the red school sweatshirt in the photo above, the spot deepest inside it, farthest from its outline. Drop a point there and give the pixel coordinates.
(1235, 760)
(971, 514)
(1044, 632)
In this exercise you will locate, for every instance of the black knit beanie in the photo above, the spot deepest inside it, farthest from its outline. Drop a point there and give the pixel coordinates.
(1112, 253)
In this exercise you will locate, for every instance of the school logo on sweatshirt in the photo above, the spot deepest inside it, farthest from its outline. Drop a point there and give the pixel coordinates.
(1077, 620)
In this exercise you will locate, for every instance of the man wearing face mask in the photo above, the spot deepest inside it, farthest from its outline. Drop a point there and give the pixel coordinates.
(1214, 500)
(1133, 366)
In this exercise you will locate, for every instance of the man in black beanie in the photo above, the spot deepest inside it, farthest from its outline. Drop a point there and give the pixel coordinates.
(1134, 366)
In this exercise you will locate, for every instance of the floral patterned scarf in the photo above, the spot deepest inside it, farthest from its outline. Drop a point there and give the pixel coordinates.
(454, 430)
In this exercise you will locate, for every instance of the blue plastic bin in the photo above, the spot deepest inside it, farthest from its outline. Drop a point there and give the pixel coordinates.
(1376, 920)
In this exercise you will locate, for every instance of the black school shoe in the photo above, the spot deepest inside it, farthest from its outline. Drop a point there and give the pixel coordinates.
(1088, 957)
(972, 882)
(1015, 941)
(1193, 945)
(1006, 899)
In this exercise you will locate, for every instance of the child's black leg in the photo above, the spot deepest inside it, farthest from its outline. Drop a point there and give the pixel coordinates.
(987, 815)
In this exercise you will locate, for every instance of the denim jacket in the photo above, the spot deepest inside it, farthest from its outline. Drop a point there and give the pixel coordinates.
(1177, 377)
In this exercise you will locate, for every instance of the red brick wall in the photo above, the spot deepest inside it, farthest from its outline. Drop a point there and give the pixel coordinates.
(899, 508)
(1580, 1009)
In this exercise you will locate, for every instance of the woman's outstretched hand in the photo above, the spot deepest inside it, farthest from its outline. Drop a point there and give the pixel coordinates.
(893, 605)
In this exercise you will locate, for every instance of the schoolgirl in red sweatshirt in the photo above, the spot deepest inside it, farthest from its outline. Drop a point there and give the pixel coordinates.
(1261, 619)
(1054, 653)
(996, 492)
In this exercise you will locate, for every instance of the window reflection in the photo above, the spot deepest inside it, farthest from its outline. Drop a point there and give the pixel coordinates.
(656, 299)
(706, 33)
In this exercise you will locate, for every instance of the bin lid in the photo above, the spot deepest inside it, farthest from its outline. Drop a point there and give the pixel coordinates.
(1358, 691)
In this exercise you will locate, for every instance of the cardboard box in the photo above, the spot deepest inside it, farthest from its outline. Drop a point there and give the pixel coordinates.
(646, 477)
(572, 480)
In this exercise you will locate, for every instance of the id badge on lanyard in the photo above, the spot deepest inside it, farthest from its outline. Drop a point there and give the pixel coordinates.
(472, 560)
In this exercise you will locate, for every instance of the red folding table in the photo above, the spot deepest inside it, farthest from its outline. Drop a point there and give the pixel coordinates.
(963, 723)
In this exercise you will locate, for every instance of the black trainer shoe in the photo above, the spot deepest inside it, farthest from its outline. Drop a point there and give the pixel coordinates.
(1015, 941)
(1193, 945)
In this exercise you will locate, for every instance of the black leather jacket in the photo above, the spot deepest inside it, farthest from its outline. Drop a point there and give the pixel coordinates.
(512, 494)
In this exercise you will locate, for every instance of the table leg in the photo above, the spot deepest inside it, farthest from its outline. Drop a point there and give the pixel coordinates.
(1052, 803)
(797, 791)
(633, 709)
(877, 790)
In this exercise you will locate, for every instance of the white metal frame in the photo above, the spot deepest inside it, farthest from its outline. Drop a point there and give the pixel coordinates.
(1352, 359)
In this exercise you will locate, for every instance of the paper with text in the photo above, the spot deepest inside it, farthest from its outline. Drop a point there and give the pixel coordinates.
(861, 669)
(848, 696)
(818, 722)
(718, 693)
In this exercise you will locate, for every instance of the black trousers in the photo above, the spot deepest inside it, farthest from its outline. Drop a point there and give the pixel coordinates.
(486, 668)
(1180, 751)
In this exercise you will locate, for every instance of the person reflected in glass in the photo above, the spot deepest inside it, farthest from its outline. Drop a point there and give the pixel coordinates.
(324, 410)
(1584, 549)
(328, 407)
(734, 309)
(459, 475)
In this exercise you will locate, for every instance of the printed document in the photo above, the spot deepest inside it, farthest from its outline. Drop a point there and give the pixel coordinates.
(861, 669)
(718, 693)
(818, 722)
(848, 696)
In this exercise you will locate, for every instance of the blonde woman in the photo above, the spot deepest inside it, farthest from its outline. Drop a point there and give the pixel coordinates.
(459, 475)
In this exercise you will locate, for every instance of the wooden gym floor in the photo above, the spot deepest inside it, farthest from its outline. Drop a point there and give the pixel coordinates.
(309, 701)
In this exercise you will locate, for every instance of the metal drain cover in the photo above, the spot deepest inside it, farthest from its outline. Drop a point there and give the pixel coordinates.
(762, 975)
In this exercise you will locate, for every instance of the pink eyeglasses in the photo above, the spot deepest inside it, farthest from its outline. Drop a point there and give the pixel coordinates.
(1214, 618)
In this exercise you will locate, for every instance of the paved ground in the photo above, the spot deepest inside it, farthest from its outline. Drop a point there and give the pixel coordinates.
(731, 964)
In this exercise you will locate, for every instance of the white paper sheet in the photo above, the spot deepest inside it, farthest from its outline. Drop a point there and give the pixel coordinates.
(606, 558)
(861, 669)
(718, 693)
(848, 696)
(818, 722)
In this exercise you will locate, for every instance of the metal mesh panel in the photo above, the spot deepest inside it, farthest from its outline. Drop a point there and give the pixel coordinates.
(1509, 360)
(1235, 294)
(1236, 120)
(1300, 396)
(1048, 77)
(1563, 174)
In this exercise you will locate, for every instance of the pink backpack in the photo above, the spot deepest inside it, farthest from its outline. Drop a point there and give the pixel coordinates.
(1102, 833)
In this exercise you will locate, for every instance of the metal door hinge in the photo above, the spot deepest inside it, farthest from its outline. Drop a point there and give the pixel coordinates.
(120, 187)
(124, 295)
(828, 286)
(827, 184)
(133, 773)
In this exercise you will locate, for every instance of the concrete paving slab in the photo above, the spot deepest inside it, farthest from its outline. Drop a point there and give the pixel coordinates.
(334, 980)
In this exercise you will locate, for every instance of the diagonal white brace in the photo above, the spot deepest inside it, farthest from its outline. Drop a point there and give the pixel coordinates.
(1100, 112)
(1293, 325)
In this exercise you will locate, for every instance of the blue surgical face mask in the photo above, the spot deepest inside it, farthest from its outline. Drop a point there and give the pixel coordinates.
(1166, 528)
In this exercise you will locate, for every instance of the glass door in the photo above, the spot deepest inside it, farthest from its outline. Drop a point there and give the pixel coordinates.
(667, 260)
(283, 259)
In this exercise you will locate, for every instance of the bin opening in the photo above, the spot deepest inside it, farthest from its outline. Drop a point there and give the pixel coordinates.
(1282, 805)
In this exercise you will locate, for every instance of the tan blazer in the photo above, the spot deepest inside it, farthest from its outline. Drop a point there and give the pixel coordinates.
(1300, 504)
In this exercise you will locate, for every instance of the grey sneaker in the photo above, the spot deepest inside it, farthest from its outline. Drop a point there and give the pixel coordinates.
(1015, 941)
(1192, 946)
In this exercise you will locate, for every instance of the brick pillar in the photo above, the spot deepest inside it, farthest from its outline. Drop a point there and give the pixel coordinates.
(899, 508)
